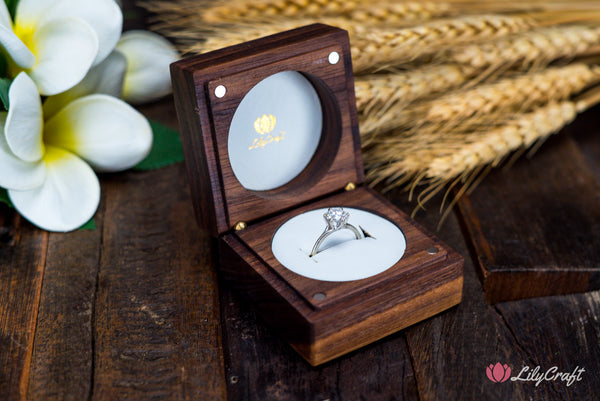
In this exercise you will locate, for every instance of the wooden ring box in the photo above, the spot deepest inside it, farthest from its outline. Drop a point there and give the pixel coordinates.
(320, 319)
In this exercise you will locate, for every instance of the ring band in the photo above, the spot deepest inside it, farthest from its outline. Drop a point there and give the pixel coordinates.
(337, 219)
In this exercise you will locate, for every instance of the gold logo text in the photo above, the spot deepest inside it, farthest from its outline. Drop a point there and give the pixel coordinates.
(263, 126)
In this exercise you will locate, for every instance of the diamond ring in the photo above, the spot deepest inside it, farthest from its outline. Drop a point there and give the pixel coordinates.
(337, 219)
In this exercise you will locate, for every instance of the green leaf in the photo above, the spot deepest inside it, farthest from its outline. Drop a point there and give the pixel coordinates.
(166, 148)
(12, 7)
(4, 197)
(3, 66)
(90, 225)
(4, 86)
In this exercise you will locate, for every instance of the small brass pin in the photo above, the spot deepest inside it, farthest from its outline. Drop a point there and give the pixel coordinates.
(350, 186)
(240, 226)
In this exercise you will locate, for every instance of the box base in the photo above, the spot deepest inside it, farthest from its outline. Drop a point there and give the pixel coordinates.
(355, 313)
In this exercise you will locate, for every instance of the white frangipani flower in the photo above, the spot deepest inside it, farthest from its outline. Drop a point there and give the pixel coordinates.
(137, 71)
(148, 58)
(45, 165)
(106, 77)
(57, 41)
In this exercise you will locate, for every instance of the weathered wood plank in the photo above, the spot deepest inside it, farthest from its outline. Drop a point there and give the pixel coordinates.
(62, 358)
(156, 326)
(535, 226)
(561, 332)
(261, 366)
(22, 259)
(451, 351)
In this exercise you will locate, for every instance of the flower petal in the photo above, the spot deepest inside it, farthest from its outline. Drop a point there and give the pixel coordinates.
(105, 131)
(24, 124)
(65, 49)
(104, 16)
(11, 43)
(68, 197)
(107, 77)
(5, 19)
(14, 172)
(148, 58)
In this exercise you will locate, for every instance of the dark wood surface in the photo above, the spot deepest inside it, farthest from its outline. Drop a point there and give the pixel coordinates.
(134, 310)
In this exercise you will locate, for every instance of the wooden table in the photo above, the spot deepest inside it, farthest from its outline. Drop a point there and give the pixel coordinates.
(134, 310)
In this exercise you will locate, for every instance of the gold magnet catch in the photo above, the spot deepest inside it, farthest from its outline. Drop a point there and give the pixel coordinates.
(240, 226)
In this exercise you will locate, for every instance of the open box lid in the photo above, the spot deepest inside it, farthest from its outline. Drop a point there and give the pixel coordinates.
(268, 125)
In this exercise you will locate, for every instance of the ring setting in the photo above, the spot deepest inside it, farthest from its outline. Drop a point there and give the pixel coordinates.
(337, 219)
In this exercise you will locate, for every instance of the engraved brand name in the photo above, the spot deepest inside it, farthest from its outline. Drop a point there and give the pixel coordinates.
(264, 125)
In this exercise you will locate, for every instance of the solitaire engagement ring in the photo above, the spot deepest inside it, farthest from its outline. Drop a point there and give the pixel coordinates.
(336, 219)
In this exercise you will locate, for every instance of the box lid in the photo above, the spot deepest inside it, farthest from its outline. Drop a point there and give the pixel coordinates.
(268, 125)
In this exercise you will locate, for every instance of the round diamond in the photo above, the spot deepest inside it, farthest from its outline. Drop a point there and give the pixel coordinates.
(336, 217)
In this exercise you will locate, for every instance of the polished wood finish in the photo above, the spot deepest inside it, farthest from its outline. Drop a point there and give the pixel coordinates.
(353, 313)
(221, 201)
(555, 198)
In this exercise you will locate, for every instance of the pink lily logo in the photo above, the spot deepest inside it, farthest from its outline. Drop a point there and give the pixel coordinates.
(498, 373)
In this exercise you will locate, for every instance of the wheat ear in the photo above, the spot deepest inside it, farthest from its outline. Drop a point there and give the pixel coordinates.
(439, 159)
(187, 13)
(376, 47)
(223, 37)
(484, 102)
(491, 147)
(399, 13)
(535, 47)
(386, 12)
(378, 92)
(372, 47)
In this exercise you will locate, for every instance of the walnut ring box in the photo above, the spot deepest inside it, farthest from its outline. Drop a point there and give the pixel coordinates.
(271, 141)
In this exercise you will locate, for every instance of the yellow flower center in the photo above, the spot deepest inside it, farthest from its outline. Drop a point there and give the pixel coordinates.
(53, 155)
(25, 33)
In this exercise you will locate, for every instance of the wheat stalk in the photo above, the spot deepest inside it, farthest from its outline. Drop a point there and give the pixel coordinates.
(442, 159)
(387, 12)
(448, 161)
(188, 13)
(399, 13)
(376, 93)
(223, 37)
(376, 47)
(536, 47)
(485, 101)
(388, 47)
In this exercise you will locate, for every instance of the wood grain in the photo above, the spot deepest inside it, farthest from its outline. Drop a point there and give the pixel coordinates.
(155, 292)
(261, 366)
(22, 261)
(220, 200)
(559, 332)
(63, 348)
(535, 227)
(451, 351)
